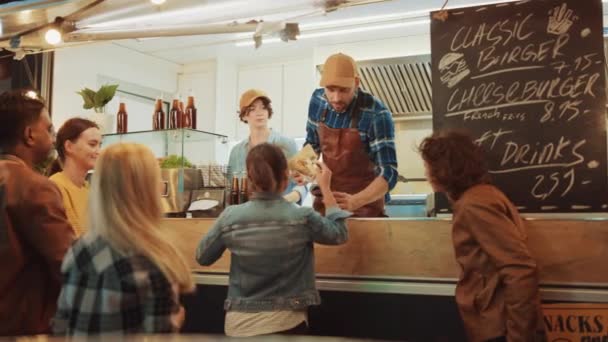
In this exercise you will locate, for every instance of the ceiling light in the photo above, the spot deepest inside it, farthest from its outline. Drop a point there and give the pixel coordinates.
(31, 94)
(158, 2)
(53, 36)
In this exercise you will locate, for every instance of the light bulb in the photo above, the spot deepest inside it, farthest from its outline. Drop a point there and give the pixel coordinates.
(53, 36)
(158, 2)
(31, 94)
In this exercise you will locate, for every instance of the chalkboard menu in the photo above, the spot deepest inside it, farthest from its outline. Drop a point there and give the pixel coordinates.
(527, 80)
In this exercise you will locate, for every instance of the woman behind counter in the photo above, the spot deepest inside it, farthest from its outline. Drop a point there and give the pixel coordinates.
(78, 144)
(255, 111)
(123, 276)
(497, 292)
(272, 276)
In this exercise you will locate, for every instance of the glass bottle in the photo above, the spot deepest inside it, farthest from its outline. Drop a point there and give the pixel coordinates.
(190, 114)
(158, 118)
(122, 119)
(175, 115)
(234, 191)
(181, 117)
(244, 195)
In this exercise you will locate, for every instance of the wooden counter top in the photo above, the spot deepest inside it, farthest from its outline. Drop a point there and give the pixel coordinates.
(569, 252)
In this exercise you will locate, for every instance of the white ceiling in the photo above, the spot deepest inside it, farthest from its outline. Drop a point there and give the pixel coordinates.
(188, 49)
(397, 18)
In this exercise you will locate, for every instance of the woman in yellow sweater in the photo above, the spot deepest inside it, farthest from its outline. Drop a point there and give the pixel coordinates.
(78, 144)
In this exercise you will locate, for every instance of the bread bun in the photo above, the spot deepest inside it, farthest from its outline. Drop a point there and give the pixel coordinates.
(304, 162)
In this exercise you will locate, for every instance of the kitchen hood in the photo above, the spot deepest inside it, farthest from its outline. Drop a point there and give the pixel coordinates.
(403, 84)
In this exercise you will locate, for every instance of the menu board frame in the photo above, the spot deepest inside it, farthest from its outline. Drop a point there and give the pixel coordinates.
(526, 79)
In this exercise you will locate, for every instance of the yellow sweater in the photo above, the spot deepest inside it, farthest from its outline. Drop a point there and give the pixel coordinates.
(75, 200)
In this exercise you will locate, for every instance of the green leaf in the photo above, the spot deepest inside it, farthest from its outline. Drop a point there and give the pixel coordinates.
(105, 94)
(174, 161)
(88, 96)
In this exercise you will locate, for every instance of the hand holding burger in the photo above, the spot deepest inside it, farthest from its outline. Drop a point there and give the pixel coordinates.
(304, 165)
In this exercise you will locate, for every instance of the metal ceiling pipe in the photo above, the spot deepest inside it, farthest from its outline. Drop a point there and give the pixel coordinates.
(81, 36)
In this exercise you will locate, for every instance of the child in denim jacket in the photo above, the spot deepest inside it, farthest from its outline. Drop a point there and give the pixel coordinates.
(272, 276)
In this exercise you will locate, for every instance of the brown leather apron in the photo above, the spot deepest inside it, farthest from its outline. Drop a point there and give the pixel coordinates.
(352, 169)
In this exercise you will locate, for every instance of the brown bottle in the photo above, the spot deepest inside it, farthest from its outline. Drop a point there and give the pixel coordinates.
(244, 195)
(175, 115)
(121, 119)
(181, 109)
(158, 119)
(190, 114)
(234, 192)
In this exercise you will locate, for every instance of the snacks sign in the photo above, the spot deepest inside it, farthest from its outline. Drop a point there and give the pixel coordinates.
(576, 322)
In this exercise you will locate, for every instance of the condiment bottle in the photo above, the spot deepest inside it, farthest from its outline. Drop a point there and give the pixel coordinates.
(122, 119)
(234, 191)
(158, 118)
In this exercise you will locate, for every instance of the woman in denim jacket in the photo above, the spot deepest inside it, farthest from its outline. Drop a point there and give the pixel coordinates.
(272, 276)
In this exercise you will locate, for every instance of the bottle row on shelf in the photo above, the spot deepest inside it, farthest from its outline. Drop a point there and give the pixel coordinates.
(179, 116)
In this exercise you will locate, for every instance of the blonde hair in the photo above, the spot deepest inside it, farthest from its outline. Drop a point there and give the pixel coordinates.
(125, 209)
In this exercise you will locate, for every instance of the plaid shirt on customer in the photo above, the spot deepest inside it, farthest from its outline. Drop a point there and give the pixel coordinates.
(107, 292)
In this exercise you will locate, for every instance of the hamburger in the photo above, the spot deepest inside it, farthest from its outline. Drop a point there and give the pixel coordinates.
(304, 162)
(453, 68)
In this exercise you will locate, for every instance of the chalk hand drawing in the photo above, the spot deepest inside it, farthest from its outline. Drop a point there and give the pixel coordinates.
(560, 20)
(453, 69)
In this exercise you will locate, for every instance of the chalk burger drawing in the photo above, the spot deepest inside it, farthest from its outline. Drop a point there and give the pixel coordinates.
(453, 69)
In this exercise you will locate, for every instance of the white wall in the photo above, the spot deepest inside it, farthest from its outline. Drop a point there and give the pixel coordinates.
(83, 66)
(290, 82)
(379, 48)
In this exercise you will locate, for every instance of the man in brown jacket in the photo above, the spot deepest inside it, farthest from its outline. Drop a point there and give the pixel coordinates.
(34, 231)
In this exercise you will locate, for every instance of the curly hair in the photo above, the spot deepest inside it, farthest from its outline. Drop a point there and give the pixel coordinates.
(245, 110)
(455, 162)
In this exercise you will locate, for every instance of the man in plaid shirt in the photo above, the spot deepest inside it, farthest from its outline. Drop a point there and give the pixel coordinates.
(355, 134)
(117, 294)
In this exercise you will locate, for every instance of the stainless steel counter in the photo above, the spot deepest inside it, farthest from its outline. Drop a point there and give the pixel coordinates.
(425, 286)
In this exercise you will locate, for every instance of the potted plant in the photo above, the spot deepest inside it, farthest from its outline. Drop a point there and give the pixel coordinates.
(97, 100)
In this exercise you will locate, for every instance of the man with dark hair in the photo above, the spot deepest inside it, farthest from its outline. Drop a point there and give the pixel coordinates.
(34, 231)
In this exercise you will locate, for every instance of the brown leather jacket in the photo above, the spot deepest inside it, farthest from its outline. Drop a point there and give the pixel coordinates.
(34, 236)
(497, 293)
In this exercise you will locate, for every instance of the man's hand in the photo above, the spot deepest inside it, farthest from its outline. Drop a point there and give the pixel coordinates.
(347, 201)
(299, 178)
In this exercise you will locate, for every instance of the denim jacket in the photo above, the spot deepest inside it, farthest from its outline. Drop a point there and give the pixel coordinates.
(272, 255)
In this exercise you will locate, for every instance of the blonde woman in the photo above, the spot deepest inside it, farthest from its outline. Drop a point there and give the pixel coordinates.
(78, 144)
(123, 276)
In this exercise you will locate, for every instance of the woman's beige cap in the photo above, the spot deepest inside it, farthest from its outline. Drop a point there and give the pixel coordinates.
(250, 96)
(339, 70)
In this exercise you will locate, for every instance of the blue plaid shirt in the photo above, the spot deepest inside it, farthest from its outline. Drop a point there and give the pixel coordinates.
(376, 129)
